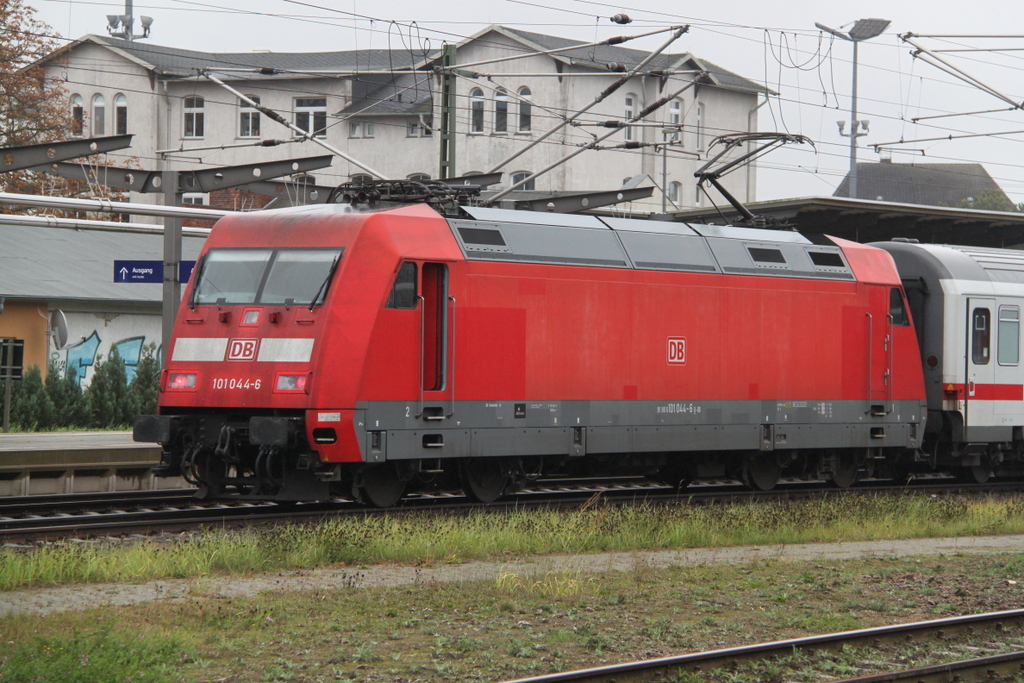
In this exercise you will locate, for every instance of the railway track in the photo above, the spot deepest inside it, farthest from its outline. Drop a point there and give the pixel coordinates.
(40, 518)
(999, 636)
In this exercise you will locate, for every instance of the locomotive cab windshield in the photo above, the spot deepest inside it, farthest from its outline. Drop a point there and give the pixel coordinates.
(266, 276)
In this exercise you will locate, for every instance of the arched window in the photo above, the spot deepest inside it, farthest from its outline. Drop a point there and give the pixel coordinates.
(674, 190)
(476, 110)
(675, 119)
(248, 118)
(120, 115)
(630, 112)
(525, 111)
(361, 178)
(501, 111)
(99, 115)
(77, 114)
(195, 125)
(698, 197)
(419, 176)
(523, 175)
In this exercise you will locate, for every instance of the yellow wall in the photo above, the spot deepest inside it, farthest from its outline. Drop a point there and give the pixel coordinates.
(28, 321)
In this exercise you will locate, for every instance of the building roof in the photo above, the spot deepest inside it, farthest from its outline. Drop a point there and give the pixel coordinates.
(600, 56)
(862, 220)
(54, 264)
(173, 62)
(928, 184)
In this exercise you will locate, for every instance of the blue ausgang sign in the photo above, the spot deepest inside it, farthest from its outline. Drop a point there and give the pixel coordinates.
(138, 271)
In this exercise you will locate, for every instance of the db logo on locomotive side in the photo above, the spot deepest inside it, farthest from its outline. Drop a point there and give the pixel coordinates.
(677, 350)
(242, 349)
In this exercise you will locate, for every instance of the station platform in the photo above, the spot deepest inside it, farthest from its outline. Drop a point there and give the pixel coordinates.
(43, 463)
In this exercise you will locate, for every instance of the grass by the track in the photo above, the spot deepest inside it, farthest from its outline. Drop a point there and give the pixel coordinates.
(426, 537)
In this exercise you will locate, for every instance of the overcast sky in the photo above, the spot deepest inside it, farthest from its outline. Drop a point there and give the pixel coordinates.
(769, 42)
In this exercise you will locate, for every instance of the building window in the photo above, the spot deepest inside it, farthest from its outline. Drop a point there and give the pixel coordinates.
(700, 127)
(523, 175)
(674, 190)
(311, 115)
(698, 197)
(630, 113)
(361, 178)
(120, 115)
(476, 110)
(194, 120)
(355, 129)
(422, 177)
(413, 131)
(675, 119)
(248, 118)
(368, 130)
(99, 117)
(501, 111)
(525, 111)
(77, 115)
(1009, 335)
(193, 199)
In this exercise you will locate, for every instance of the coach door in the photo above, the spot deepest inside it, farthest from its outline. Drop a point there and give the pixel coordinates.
(979, 364)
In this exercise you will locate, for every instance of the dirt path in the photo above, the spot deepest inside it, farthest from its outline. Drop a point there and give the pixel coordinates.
(61, 598)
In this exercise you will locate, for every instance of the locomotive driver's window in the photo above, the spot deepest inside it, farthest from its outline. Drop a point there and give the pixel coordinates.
(897, 310)
(981, 336)
(403, 294)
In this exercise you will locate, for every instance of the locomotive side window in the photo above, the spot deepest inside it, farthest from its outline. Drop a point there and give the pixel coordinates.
(981, 337)
(762, 255)
(266, 276)
(897, 311)
(403, 294)
(1008, 341)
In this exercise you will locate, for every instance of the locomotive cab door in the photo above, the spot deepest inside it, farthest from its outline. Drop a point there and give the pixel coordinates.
(437, 310)
(979, 366)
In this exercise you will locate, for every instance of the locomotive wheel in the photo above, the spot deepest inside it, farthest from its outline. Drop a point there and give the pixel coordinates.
(975, 474)
(761, 472)
(677, 475)
(483, 479)
(380, 486)
(844, 470)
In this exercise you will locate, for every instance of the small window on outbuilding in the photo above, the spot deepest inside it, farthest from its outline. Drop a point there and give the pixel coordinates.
(403, 294)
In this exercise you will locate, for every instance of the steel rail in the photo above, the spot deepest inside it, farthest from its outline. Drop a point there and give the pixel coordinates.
(1009, 665)
(670, 668)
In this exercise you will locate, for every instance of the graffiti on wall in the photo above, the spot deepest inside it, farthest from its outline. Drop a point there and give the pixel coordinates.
(126, 334)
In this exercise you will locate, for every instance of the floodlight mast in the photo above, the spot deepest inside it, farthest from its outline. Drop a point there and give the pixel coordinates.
(863, 29)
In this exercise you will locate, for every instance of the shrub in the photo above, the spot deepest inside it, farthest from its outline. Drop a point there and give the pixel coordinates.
(31, 407)
(111, 403)
(70, 402)
(145, 385)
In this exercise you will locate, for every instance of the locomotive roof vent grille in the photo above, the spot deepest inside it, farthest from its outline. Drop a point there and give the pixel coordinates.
(771, 258)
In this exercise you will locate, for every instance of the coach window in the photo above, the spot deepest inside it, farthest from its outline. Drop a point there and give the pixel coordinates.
(403, 294)
(1008, 341)
(981, 337)
(897, 311)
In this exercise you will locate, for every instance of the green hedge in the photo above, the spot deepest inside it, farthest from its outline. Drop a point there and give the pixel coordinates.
(109, 402)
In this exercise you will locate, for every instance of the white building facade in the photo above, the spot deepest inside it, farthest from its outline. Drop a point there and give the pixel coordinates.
(383, 109)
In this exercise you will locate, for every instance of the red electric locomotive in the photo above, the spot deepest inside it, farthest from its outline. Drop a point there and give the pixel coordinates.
(323, 351)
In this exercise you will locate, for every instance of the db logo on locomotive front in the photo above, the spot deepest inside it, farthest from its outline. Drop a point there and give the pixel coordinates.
(677, 350)
(242, 349)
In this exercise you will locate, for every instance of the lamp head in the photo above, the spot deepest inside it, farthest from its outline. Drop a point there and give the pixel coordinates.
(868, 28)
(113, 21)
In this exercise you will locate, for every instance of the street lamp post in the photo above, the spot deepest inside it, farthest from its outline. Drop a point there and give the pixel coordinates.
(863, 29)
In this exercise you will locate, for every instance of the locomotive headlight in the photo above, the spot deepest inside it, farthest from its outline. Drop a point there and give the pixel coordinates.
(291, 383)
(181, 381)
